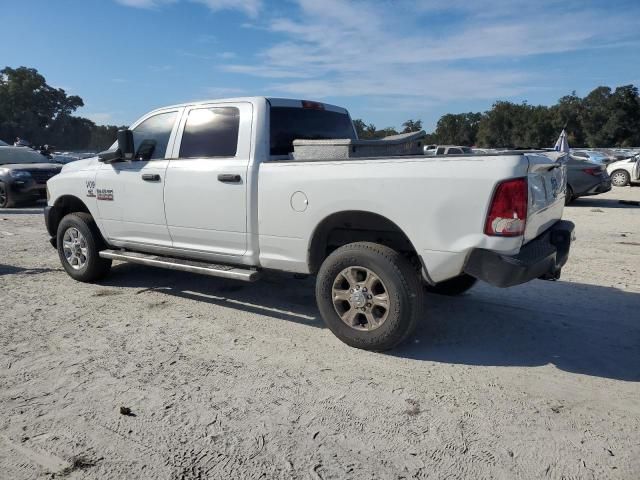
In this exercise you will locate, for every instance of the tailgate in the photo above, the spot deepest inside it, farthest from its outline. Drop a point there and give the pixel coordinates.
(547, 180)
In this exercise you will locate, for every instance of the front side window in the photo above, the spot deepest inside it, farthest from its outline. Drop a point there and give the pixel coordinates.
(454, 151)
(151, 137)
(211, 132)
(440, 151)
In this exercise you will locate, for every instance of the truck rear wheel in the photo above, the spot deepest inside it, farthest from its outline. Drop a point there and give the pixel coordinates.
(452, 287)
(79, 243)
(369, 296)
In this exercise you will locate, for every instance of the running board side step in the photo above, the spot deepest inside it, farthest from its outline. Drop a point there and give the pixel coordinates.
(211, 269)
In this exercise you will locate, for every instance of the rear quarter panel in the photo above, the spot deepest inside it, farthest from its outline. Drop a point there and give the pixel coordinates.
(439, 202)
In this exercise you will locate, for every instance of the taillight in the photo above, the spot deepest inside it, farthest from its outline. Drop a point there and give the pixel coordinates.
(508, 213)
(592, 171)
(312, 105)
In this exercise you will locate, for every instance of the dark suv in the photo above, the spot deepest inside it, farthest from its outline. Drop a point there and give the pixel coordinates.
(23, 174)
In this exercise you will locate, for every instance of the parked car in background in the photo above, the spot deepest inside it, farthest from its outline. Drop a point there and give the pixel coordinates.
(585, 178)
(23, 174)
(452, 150)
(592, 156)
(625, 172)
(430, 149)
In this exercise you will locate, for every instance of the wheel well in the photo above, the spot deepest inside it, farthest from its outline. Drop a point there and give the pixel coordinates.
(342, 228)
(63, 206)
(620, 170)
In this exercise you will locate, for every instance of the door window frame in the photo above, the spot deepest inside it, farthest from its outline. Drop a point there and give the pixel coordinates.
(174, 130)
(243, 149)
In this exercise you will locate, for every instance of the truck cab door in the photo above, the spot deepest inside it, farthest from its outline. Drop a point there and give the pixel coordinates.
(130, 194)
(206, 180)
(635, 174)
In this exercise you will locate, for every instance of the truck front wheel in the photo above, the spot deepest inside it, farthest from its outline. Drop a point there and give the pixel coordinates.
(79, 244)
(369, 296)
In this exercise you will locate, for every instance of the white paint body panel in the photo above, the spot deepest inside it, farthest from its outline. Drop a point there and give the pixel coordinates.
(440, 203)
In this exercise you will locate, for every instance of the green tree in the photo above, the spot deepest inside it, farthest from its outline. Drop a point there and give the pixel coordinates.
(29, 106)
(412, 126)
(458, 129)
(595, 113)
(33, 110)
(567, 114)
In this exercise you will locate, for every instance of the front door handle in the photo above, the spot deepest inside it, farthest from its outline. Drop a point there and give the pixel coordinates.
(229, 178)
(151, 177)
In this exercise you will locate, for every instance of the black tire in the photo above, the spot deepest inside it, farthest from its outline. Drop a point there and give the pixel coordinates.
(5, 197)
(402, 285)
(452, 287)
(623, 174)
(94, 267)
(568, 198)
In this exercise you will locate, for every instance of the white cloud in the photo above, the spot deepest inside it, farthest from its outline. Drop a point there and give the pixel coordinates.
(365, 48)
(249, 7)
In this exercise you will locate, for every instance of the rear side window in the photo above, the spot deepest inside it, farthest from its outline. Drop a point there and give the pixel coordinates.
(152, 135)
(211, 132)
(454, 151)
(291, 123)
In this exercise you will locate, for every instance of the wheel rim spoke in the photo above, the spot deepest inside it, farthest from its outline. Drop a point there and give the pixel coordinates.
(381, 300)
(370, 280)
(360, 298)
(75, 248)
(349, 275)
(341, 295)
(371, 321)
(349, 316)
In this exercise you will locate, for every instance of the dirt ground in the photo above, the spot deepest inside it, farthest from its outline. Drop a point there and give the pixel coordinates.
(228, 380)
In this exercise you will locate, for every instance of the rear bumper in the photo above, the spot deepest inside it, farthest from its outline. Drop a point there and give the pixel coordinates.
(542, 257)
(602, 187)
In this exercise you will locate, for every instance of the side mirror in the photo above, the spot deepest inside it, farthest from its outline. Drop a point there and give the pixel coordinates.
(124, 150)
(125, 144)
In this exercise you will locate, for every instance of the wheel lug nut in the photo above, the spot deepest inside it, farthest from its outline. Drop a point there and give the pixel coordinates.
(351, 291)
(357, 287)
(364, 289)
(368, 304)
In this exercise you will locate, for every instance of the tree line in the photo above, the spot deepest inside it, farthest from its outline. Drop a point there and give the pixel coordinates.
(33, 110)
(603, 118)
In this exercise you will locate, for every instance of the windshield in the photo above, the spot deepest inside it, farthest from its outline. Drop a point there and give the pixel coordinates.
(21, 155)
(292, 123)
(2, 144)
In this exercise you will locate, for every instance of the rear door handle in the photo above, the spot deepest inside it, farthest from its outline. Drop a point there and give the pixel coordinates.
(151, 177)
(229, 178)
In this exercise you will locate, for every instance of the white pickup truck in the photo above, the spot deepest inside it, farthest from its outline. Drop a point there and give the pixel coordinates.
(213, 188)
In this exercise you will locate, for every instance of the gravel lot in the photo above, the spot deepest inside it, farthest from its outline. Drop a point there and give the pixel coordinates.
(227, 380)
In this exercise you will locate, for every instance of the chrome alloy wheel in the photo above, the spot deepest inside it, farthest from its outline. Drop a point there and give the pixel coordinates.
(360, 298)
(74, 246)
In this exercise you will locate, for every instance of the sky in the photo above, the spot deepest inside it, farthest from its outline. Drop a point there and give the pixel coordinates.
(386, 61)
